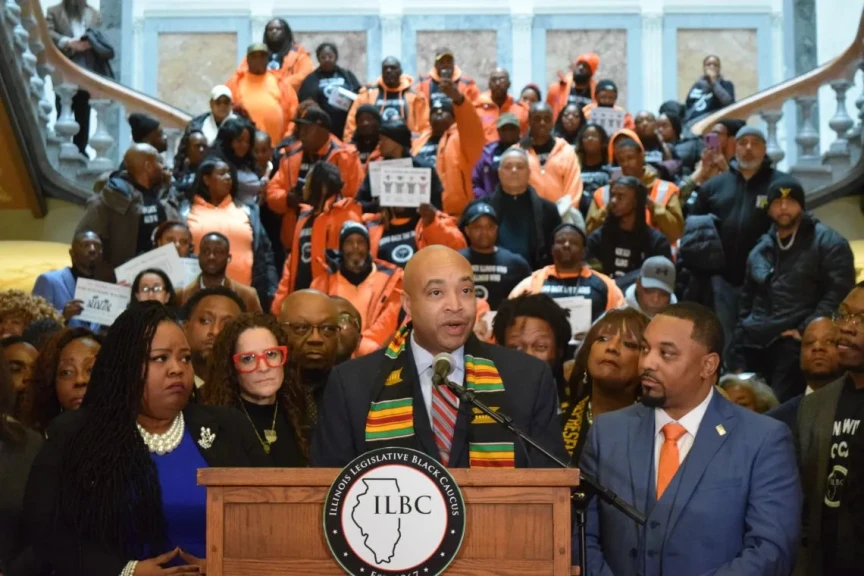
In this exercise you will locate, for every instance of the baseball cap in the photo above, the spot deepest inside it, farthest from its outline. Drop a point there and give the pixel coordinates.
(508, 119)
(658, 272)
(220, 91)
(477, 210)
(257, 47)
(314, 115)
(443, 53)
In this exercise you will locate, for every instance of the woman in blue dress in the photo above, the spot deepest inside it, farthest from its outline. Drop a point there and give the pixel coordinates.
(113, 490)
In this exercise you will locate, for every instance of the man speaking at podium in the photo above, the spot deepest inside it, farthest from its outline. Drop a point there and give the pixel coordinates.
(388, 399)
(718, 484)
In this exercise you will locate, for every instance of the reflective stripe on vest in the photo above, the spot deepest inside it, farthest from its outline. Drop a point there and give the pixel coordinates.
(662, 189)
(601, 196)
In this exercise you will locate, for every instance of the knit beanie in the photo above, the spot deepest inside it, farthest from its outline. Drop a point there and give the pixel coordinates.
(352, 227)
(750, 131)
(787, 187)
(142, 126)
(606, 85)
(397, 131)
(369, 109)
(564, 225)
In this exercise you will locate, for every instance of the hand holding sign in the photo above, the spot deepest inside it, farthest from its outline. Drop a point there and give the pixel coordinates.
(102, 302)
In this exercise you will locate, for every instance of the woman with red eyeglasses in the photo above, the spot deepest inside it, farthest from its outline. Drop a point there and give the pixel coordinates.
(247, 372)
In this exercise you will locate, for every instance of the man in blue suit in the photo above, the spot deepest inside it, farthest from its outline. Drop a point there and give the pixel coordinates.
(58, 286)
(718, 484)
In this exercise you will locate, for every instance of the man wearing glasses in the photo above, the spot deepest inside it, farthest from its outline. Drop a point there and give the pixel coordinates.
(827, 432)
(350, 324)
(312, 323)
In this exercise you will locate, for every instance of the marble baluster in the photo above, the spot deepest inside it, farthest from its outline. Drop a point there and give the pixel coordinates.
(66, 127)
(855, 132)
(807, 137)
(35, 47)
(773, 149)
(841, 122)
(102, 141)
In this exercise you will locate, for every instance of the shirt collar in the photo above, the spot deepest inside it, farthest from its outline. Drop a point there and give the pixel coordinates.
(690, 421)
(423, 358)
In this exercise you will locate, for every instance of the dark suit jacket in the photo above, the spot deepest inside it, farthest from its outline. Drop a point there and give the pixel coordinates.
(813, 443)
(732, 509)
(787, 412)
(16, 556)
(531, 402)
(235, 445)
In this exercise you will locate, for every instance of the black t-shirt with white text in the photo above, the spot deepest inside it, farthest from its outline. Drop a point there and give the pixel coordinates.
(591, 287)
(399, 243)
(581, 97)
(393, 106)
(838, 545)
(304, 249)
(427, 156)
(151, 214)
(623, 251)
(496, 274)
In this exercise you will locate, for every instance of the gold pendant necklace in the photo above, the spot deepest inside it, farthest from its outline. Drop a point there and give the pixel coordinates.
(270, 436)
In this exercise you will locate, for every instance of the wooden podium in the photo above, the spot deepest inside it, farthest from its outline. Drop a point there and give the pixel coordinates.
(269, 521)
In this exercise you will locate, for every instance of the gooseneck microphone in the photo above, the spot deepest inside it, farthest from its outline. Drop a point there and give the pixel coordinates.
(443, 365)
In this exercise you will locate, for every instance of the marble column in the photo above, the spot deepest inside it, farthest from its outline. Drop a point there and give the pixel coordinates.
(113, 27)
(784, 135)
(522, 37)
(652, 60)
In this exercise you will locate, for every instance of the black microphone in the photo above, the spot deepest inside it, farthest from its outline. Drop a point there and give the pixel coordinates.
(443, 365)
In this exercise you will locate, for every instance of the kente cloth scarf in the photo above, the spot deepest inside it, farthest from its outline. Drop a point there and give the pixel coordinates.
(390, 421)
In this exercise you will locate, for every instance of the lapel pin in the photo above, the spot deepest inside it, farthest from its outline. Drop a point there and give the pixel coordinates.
(207, 437)
(720, 430)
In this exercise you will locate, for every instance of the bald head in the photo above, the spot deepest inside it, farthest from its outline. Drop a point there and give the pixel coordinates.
(439, 297)
(312, 323)
(820, 359)
(499, 83)
(144, 165)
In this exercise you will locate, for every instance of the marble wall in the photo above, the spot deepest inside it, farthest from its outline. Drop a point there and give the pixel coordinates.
(737, 51)
(564, 46)
(352, 48)
(476, 51)
(208, 59)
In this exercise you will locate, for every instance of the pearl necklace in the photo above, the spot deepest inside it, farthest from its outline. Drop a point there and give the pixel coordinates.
(167, 442)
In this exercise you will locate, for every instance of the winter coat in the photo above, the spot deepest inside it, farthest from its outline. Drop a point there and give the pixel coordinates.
(560, 176)
(545, 218)
(742, 207)
(296, 65)
(700, 256)
(785, 290)
(413, 107)
(114, 214)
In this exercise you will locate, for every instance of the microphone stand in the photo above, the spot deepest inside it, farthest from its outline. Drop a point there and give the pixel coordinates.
(580, 499)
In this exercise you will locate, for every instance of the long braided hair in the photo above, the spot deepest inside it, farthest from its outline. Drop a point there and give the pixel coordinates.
(223, 385)
(111, 493)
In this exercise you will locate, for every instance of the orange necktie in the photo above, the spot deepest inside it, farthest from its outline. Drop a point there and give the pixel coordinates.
(669, 458)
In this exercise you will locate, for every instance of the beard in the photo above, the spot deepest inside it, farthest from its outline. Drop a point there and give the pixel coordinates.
(653, 401)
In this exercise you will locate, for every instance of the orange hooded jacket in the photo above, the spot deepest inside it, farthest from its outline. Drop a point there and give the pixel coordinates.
(296, 65)
(629, 124)
(343, 156)
(246, 90)
(665, 213)
(490, 112)
(466, 84)
(378, 299)
(559, 92)
(561, 175)
(443, 230)
(325, 236)
(458, 151)
(414, 108)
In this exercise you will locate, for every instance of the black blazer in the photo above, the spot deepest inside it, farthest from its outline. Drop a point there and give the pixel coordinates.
(234, 445)
(16, 556)
(532, 402)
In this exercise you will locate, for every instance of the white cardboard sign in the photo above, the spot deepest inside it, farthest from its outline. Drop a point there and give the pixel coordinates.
(164, 258)
(102, 302)
(580, 313)
(406, 187)
(375, 169)
(610, 119)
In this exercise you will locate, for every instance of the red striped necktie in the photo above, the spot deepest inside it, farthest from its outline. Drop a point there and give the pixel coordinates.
(444, 410)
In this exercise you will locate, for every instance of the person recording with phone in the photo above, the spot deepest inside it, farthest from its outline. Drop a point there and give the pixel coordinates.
(717, 151)
(388, 398)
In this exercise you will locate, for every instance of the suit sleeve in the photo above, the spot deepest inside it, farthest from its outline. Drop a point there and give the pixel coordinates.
(50, 536)
(837, 277)
(773, 517)
(590, 463)
(332, 445)
(545, 424)
(45, 289)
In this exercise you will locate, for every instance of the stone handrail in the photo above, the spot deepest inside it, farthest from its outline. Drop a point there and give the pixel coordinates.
(99, 87)
(807, 84)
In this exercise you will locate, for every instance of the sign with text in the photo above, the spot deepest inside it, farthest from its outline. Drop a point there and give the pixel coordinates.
(341, 99)
(375, 169)
(193, 268)
(580, 314)
(164, 258)
(406, 187)
(610, 119)
(102, 302)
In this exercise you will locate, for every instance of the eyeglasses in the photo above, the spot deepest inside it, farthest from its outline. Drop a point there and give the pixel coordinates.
(346, 319)
(856, 320)
(149, 289)
(301, 329)
(246, 362)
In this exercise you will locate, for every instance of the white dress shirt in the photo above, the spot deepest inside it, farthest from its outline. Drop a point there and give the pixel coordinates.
(690, 422)
(423, 361)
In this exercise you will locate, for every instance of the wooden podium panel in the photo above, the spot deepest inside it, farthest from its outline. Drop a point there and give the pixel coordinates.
(269, 522)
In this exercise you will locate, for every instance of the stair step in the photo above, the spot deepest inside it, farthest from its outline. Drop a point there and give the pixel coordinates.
(812, 177)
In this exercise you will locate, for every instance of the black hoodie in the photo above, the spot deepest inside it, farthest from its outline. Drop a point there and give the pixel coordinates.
(318, 85)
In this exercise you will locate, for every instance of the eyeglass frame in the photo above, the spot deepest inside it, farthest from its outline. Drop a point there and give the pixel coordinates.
(311, 327)
(348, 318)
(154, 289)
(259, 358)
(856, 319)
